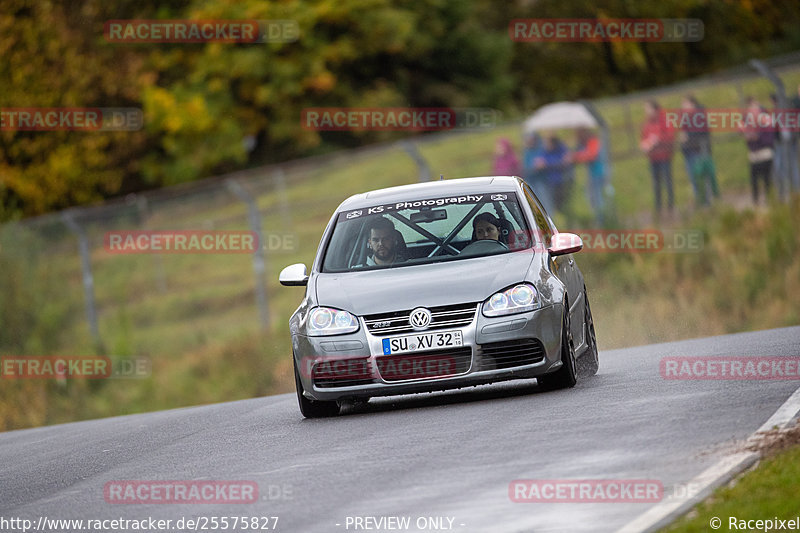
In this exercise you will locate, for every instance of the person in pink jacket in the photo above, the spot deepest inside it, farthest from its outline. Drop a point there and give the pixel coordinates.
(506, 162)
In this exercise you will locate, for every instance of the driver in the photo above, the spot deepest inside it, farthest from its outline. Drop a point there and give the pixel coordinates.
(486, 226)
(385, 242)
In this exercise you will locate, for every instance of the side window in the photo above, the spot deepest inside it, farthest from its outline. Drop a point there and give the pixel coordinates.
(543, 226)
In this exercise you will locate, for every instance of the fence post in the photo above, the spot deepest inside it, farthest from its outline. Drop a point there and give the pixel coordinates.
(86, 269)
(280, 187)
(788, 172)
(633, 141)
(412, 150)
(259, 268)
(143, 210)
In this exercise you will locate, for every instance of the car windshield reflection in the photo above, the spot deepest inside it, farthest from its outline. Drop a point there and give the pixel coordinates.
(426, 231)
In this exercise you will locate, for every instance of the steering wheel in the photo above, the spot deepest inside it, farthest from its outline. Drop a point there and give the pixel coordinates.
(485, 246)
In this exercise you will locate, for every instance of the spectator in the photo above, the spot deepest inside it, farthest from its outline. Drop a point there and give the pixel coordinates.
(553, 166)
(505, 161)
(696, 149)
(760, 141)
(534, 177)
(794, 103)
(588, 150)
(657, 143)
(796, 100)
(780, 159)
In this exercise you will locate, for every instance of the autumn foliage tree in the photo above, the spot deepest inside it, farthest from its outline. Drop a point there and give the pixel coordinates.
(201, 101)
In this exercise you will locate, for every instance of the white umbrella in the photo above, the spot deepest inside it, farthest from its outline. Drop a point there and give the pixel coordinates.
(560, 115)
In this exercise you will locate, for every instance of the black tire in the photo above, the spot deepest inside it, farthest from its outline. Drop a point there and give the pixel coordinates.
(566, 376)
(313, 408)
(589, 361)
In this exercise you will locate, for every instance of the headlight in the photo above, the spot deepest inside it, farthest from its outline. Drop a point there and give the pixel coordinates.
(517, 299)
(328, 321)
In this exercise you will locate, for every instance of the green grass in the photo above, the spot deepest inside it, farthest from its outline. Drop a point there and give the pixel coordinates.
(767, 492)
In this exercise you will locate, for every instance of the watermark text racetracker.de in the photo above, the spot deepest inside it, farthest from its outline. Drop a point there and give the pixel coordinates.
(731, 120)
(609, 30)
(585, 490)
(394, 368)
(64, 367)
(195, 242)
(641, 240)
(397, 118)
(147, 492)
(171, 491)
(71, 119)
(730, 368)
(620, 240)
(201, 31)
(598, 491)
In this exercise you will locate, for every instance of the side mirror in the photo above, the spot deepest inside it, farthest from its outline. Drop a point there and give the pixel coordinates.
(294, 275)
(565, 243)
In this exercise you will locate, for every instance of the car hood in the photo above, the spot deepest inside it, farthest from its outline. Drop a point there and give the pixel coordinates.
(397, 289)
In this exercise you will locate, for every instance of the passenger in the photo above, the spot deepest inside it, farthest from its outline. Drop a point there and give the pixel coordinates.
(386, 243)
(486, 226)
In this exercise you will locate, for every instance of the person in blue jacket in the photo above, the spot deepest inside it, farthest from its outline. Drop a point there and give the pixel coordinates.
(536, 180)
(553, 164)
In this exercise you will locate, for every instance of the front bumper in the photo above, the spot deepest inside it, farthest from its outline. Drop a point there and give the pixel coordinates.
(361, 355)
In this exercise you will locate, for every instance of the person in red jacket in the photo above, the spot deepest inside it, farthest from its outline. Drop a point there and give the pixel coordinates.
(657, 142)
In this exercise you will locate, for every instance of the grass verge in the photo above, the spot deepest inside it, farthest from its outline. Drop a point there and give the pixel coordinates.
(767, 492)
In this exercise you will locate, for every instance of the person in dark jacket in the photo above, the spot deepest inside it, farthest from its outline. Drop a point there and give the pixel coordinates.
(696, 149)
(760, 141)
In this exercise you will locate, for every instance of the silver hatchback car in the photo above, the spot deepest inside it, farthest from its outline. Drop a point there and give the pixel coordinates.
(437, 286)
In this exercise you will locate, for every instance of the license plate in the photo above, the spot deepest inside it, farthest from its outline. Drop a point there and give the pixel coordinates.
(422, 342)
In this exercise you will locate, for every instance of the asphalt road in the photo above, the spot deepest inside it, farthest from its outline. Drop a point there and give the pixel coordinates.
(446, 455)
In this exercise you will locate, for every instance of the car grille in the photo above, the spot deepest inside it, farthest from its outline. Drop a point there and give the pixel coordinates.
(425, 365)
(342, 373)
(446, 316)
(508, 354)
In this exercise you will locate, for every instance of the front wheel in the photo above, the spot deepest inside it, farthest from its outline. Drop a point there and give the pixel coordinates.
(566, 376)
(313, 408)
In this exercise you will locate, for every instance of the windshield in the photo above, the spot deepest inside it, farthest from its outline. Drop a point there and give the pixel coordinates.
(426, 231)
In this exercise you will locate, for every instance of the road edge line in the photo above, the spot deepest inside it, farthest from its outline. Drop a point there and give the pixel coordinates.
(724, 470)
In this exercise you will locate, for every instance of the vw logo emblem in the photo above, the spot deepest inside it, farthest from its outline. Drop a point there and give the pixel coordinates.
(420, 318)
